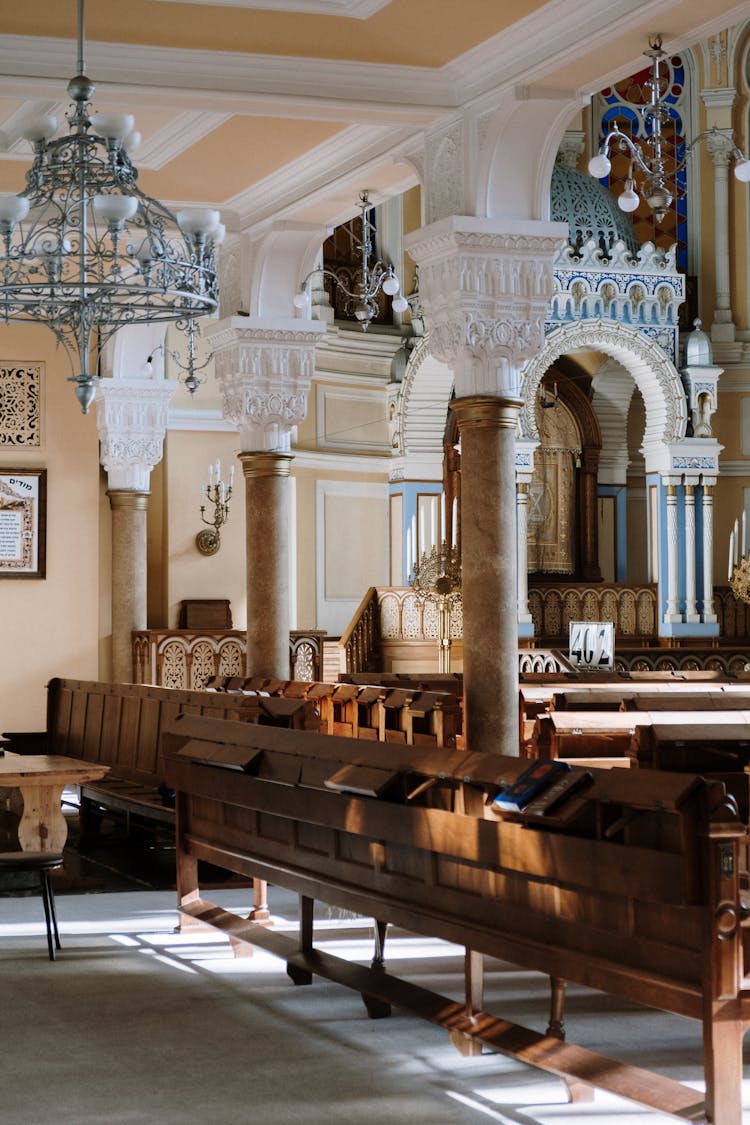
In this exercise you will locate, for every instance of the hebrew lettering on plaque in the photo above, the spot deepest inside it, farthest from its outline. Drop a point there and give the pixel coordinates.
(22, 523)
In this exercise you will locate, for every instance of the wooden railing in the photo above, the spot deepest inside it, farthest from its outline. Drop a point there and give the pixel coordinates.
(361, 641)
(634, 609)
(187, 659)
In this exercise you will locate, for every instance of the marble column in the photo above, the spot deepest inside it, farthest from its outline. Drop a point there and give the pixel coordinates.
(129, 602)
(485, 286)
(267, 554)
(131, 418)
(488, 554)
(264, 368)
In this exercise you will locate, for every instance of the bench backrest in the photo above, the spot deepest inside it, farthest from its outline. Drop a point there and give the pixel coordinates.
(120, 725)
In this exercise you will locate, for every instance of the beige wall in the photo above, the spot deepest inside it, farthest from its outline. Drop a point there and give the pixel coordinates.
(50, 627)
(189, 573)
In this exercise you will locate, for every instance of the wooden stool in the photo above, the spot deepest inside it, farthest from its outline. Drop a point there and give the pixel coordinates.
(42, 863)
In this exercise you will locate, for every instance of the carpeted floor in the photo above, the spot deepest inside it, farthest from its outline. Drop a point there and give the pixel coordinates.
(136, 1024)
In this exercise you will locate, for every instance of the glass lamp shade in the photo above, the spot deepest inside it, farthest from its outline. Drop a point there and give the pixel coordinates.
(742, 171)
(201, 221)
(599, 166)
(391, 285)
(629, 200)
(400, 304)
(41, 129)
(132, 141)
(112, 126)
(13, 208)
(300, 299)
(115, 208)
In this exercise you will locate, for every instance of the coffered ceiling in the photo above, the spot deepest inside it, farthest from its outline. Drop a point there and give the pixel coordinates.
(286, 108)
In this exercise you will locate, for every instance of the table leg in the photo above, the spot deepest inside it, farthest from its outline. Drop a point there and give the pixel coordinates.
(42, 827)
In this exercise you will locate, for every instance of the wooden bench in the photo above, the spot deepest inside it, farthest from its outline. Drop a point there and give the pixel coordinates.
(632, 889)
(413, 716)
(120, 725)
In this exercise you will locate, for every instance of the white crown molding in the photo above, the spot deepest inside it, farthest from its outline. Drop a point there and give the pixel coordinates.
(349, 9)
(352, 153)
(333, 462)
(231, 81)
(526, 52)
(180, 133)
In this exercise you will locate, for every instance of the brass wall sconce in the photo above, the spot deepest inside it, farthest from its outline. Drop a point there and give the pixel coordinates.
(218, 493)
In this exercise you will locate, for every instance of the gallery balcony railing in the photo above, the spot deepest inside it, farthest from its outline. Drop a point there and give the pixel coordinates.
(188, 658)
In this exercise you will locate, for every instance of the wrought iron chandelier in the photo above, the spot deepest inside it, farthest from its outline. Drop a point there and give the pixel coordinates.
(651, 166)
(361, 300)
(189, 367)
(85, 251)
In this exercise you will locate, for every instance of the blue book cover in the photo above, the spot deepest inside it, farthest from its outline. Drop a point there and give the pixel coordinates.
(530, 784)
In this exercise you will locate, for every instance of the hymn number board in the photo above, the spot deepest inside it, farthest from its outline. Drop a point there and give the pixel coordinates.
(592, 645)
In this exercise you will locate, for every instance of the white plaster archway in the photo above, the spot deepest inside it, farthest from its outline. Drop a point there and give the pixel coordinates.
(653, 373)
(422, 408)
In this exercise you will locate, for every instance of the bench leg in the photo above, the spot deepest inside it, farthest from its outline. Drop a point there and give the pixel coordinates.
(260, 912)
(556, 1026)
(722, 1062)
(378, 957)
(306, 907)
(474, 992)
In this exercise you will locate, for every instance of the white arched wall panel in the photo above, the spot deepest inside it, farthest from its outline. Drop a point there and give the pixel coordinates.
(518, 154)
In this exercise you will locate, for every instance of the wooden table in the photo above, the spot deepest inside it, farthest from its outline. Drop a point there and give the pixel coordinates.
(40, 780)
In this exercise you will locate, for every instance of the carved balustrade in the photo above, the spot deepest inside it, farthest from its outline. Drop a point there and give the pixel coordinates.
(187, 659)
(634, 609)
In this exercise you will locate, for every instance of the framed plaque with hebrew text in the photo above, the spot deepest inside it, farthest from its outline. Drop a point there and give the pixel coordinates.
(23, 523)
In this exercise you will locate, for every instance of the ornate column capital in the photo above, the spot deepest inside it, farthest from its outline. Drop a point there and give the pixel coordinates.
(264, 368)
(485, 288)
(131, 416)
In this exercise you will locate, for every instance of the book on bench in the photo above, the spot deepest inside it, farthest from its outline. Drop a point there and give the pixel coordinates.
(530, 784)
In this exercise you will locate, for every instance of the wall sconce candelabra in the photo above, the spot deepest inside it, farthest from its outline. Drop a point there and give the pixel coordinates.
(436, 577)
(371, 278)
(739, 561)
(218, 494)
(651, 167)
(190, 368)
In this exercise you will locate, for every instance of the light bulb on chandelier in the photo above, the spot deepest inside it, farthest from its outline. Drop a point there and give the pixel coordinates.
(654, 115)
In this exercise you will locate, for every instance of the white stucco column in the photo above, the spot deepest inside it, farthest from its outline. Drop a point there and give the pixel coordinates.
(131, 416)
(691, 609)
(485, 287)
(708, 614)
(672, 614)
(720, 145)
(264, 368)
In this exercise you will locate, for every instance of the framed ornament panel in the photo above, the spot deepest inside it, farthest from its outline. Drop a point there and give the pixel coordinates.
(21, 387)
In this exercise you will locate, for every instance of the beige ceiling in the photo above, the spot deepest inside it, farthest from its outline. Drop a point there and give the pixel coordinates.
(286, 113)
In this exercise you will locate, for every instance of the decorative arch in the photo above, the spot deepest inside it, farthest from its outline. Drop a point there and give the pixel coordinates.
(653, 373)
(422, 404)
